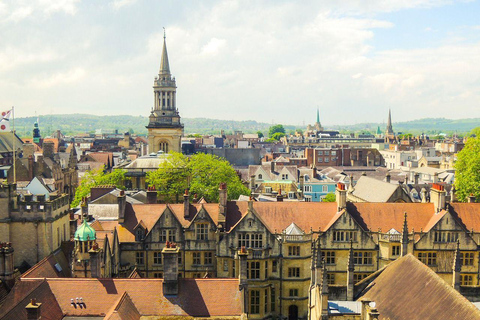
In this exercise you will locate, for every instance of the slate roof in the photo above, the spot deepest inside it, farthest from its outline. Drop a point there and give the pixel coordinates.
(406, 286)
(373, 190)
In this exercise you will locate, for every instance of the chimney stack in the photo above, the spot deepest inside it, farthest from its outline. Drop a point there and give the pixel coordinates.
(33, 310)
(341, 196)
(151, 195)
(170, 269)
(186, 205)
(30, 167)
(416, 176)
(438, 196)
(279, 195)
(388, 177)
(95, 269)
(252, 183)
(471, 198)
(122, 203)
(222, 203)
(242, 277)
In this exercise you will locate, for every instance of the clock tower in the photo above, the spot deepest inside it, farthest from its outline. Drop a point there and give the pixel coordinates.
(165, 130)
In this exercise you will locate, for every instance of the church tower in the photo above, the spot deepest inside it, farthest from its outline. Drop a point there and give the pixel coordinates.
(165, 130)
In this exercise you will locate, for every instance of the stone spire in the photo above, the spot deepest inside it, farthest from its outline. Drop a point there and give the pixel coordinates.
(405, 237)
(389, 130)
(164, 65)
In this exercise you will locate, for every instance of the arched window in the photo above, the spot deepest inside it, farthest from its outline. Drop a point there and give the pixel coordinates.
(260, 177)
(164, 147)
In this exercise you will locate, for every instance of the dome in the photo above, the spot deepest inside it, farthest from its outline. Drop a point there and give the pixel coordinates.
(85, 232)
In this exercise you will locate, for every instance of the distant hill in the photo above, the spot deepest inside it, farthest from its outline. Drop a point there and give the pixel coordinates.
(83, 123)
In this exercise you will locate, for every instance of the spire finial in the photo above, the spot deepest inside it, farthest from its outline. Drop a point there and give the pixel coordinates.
(164, 34)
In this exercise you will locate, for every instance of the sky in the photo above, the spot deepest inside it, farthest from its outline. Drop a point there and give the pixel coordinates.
(272, 61)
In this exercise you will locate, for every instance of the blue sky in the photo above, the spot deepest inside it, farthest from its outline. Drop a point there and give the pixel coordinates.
(272, 61)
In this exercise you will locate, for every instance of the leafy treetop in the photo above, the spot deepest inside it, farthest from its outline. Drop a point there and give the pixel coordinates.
(201, 173)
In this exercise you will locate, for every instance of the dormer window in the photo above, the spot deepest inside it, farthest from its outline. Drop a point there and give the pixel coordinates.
(139, 234)
(260, 176)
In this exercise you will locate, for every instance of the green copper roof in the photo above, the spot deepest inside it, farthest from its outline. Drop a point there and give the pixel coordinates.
(85, 232)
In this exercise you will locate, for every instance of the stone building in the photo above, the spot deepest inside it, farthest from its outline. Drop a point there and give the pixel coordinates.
(165, 130)
(35, 225)
(354, 239)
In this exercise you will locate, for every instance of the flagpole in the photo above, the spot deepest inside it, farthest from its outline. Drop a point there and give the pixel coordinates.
(14, 150)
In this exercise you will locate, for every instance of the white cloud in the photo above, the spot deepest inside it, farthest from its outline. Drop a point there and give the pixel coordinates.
(59, 79)
(117, 4)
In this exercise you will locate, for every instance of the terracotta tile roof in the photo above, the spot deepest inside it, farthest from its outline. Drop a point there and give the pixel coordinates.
(279, 215)
(406, 286)
(386, 216)
(196, 298)
(468, 214)
(101, 157)
(124, 309)
(22, 293)
(45, 268)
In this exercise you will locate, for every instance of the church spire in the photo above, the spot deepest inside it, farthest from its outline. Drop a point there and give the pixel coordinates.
(389, 123)
(318, 116)
(164, 66)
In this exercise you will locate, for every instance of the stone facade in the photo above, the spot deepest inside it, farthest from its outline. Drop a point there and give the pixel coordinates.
(35, 226)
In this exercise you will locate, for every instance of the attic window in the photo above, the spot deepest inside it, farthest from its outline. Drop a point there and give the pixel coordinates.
(260, 176)
(139, 234)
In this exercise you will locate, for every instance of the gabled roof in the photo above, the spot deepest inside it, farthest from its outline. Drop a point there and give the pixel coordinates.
(406, 286)
(49, 267)
(373, 190)
(196, 297)
(124, 309)
(21, 295)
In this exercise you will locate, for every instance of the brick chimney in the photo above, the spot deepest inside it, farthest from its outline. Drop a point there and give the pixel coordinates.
(151, 195)
(341, 196)
(122, 203)
(95, 268)
(279, 195)
(438, 196)
(33, 310)
(170, 269)
(222, 204)
(186, 205)
(388, 177)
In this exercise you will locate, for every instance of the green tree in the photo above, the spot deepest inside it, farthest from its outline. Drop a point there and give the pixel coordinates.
(467, 175)
(299, 131)
(260, 134)
(278, 135)
(329, 198)
(275, 129)
(93, 178)
(202, 173)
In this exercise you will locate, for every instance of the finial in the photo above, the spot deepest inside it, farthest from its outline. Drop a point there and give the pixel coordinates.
(164, 34)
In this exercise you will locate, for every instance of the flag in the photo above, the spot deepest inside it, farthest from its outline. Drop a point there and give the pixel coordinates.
(5, 120)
